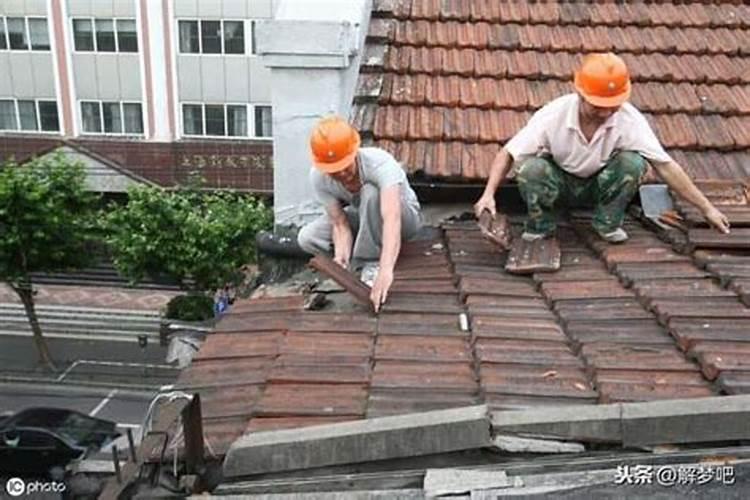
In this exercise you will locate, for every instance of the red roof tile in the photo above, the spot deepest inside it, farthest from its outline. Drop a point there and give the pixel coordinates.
(453, 62)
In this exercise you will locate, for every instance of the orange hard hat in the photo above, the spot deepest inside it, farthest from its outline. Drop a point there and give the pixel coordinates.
(334, 144)
(603, 80)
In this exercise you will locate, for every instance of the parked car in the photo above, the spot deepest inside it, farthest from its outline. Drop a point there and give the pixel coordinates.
(37, 441)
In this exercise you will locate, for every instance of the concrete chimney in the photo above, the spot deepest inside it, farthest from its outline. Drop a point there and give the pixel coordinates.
(313, 48)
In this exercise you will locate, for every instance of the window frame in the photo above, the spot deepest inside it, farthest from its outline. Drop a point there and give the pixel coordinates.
(101, 102)
(5, 35)
(255, 135)
(246, 48)
(92, 20)
(250, 120)
(38, 117)
(28, 32)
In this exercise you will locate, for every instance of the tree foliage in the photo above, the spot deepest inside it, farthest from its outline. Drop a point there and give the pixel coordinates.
(199, 240)
(47, 224)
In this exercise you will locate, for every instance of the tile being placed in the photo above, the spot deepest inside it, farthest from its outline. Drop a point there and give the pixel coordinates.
(343, 277)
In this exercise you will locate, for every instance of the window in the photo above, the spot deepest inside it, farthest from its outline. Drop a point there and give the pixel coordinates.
(48, 116)
(3, 41)
(24, 33)
(29, 115)
(83, 35)
(17, 33)
(215, 119)
(91, 117)
(127, 36)
(38, 34)
(225, 120)
(237, 121)
(132, 118)
(192, 119)
(111, 117)
(105, 35)
(8, 115)
(212, 37)
(263, 121)
(234, 37)
(189, 42)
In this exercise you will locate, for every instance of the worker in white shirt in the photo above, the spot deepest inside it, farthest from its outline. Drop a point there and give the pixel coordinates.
(590, 147)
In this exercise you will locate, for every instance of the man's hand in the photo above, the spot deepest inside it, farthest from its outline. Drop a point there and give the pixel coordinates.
(341, 234)
(485, 203)
(380, 288)
(341, 256)
(717, 219)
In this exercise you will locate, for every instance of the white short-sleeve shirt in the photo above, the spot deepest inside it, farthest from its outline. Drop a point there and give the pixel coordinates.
(555, 130)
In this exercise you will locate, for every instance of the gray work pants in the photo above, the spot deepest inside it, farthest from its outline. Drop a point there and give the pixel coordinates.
(366, 224)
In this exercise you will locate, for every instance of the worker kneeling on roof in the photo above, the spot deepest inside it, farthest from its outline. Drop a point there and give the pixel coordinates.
(589, 148)
(365, 193)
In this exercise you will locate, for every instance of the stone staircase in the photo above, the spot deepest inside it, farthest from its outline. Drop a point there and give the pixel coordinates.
(102, 274)
(81, 322)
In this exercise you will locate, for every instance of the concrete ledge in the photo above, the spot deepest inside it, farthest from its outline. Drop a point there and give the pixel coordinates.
(724, 418)
(695, 420)
(591, 423)
(360, 441)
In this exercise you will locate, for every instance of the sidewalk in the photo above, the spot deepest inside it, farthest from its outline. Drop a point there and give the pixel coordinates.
(94, 296)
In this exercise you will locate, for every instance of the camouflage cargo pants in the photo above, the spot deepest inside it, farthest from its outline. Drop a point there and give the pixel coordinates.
(545, 186)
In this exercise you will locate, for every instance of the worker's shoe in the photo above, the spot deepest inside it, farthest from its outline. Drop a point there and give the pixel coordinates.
(617, 236)
(531, 237)
(369, 273)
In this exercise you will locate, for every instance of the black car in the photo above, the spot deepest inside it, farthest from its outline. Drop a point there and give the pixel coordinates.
(39, 440)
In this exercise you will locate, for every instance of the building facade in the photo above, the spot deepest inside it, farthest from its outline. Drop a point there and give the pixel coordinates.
(154, 90)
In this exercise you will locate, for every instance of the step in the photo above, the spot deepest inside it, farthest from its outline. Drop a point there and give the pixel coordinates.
(79, 309)
(80, 329)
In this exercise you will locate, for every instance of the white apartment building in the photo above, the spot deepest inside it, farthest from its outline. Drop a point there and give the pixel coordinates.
(150, 89)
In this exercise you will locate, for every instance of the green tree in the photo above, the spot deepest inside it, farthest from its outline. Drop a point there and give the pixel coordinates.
(46, 225)
(199, 240)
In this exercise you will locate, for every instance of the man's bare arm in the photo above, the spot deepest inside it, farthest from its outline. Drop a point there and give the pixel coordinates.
(676, 178)
(341, 234)
(498, 172)
(390, 211)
